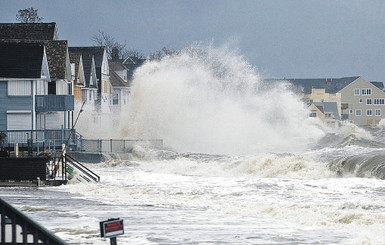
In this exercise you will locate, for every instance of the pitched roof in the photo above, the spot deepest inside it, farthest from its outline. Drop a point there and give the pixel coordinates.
(379, 85)
(21, 60)
(331, 85)
(57, 56)
(75, 59)
(30, 31)
(97, 52)
(329, 107)
(116, 65)
(87, 61)
(116, 80)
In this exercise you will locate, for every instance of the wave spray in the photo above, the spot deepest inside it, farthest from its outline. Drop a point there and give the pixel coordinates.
(210, 100)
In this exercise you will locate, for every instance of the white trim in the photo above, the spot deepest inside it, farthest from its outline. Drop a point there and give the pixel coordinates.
(19, 112)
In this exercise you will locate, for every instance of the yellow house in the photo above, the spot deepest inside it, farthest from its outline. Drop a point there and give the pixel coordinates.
(319, 95)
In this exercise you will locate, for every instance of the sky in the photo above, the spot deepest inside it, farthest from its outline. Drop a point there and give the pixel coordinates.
(280, 38)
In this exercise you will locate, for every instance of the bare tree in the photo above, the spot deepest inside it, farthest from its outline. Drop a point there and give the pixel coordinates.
(114, 49)
(28, 15)
(158, 55)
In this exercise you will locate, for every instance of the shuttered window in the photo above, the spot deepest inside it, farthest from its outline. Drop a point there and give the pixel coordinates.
(19, 88)
(19, 120)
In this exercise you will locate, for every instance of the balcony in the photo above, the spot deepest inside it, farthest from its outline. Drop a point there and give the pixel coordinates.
(52, 102)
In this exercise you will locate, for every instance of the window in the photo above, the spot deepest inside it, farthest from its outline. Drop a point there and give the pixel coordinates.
(366, 91)
(351, 111)
(369, 112)
(313, 114)
(19, 88)
(378, 112)
(379, 101)
(360, 100)
(356, 91)
(19, 120)
(358, 112)
(328, 115)
(368, 101)
(84, 95)
(115, 99)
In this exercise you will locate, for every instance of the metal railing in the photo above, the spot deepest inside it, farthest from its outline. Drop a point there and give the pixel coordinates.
(114, 145)
(52, 140)
(53, 102)
(40, 140)
(17, 228)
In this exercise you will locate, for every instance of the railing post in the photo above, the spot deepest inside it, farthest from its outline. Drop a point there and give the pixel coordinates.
(100, 146)
(110, 145)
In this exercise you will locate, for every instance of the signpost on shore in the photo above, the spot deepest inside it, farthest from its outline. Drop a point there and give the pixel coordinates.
(111, 228)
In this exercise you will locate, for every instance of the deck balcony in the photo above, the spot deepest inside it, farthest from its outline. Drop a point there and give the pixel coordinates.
(53, 102)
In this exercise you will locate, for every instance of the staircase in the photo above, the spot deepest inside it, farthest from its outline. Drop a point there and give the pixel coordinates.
(84, 172)
(61, 166)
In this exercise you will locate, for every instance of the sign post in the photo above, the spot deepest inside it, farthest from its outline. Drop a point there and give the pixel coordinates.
(111, 228)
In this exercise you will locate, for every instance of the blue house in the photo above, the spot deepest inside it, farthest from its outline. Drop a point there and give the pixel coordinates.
(24, 74)
(35, 83)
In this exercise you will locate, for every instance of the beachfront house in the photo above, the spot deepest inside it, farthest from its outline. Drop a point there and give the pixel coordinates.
(326, 112)
(84, 64)
(78, 77)
(120, 85)
(358, 101)
(363, 102)
(97, 75)
(24, 75)
(50, 104)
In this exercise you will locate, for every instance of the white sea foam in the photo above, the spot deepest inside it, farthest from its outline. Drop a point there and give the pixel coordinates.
(210, 100)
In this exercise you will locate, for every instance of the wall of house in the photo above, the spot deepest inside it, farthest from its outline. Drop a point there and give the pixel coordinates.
(77, 94)
(319, 95)
(106, 89)
(13, 103)
(61, 87)
(318, 113)
(363, 108)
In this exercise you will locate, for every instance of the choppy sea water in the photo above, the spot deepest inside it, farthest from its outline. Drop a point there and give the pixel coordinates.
(171, 198)
(272, 175)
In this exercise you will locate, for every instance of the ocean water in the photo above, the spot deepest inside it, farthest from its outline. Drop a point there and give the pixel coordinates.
(242, 164)
(171, 198)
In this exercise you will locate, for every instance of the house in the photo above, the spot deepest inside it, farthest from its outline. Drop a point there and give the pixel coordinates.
(61, 83)
(58, 63)
(326, 111)
(104, 98)
(358, 100)
(24, 75)
(132, 63)
(120, 85)
(84, 63)
(363, 102)
(320, 95)
(97, 90)
(78, 77)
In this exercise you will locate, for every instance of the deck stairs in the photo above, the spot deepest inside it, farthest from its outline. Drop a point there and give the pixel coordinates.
(84, 172)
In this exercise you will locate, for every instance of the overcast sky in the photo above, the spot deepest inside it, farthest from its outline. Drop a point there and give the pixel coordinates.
(281, 38)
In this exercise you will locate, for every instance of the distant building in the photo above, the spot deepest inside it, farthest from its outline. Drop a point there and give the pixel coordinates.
(99, 55)
(363, 102)
(358, 101)
(326, 111)
(121, 89)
